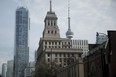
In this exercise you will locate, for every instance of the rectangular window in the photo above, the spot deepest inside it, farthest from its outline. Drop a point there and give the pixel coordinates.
(56, 55)
(48, 59)
(64, 55)
(49, 43)
(64, 59)
(60, 59)
(48, 55)
(60, 54)
(45, 42)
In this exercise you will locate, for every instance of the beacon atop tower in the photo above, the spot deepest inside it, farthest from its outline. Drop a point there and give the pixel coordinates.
(69, 33)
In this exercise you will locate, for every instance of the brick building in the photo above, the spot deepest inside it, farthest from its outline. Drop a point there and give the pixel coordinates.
(101, 59)
(111, 53)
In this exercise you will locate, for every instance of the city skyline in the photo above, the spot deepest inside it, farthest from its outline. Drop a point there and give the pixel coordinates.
(85, 16)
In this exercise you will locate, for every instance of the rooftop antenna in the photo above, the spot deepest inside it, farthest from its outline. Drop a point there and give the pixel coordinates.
(68, 15)
(69, 33)
(50, 5)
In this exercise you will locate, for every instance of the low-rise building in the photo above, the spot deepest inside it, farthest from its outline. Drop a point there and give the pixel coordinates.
(94, 61)
(101, 59)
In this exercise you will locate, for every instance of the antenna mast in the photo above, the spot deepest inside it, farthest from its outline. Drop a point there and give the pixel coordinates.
(68, 15)
(50, 5)
(69, 33)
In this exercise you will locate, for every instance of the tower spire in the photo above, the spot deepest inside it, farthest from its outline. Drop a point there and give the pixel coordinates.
(50, 5)
(68, 15)
(69, 33)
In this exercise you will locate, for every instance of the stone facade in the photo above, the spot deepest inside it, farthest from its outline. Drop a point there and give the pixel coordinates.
(75, 69)
(56, 50)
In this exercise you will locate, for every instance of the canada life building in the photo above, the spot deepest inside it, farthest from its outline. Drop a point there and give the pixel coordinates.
(21, 53)
(53, 48)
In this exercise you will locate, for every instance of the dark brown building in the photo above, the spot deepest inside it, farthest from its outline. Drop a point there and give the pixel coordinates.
(112, 53)
(101, 60)
(93, 66)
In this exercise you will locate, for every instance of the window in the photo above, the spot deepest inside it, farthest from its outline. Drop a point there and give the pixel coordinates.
(68, 55)
(72, 55)
(52, 32)
(68, 43)
(49, 43)
(54, 23)
(48, 59)
(64, 59)
(60, 59)
(48, 23)
(19, 12)
(56, 54)
(48, 31)
(64, 55)
(55, 32)
(60, 65)
(45, 46)
(52, 43)
(59, 43)
(56, 59)
(46, 42)
(48, 55)
(60, 54)
(51, 23)
(55, 43)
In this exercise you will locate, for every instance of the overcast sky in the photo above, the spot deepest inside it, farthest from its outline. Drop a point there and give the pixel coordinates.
(87, 18)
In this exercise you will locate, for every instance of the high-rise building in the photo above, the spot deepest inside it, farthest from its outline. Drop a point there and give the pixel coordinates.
(21, 56)
(9, 68)
(101, 37)
(4, 69)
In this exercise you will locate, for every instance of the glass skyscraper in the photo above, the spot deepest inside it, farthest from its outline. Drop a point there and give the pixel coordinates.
(21, 53)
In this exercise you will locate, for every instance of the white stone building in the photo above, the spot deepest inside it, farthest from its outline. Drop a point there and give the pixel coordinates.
(52, 48)
(81, 44)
